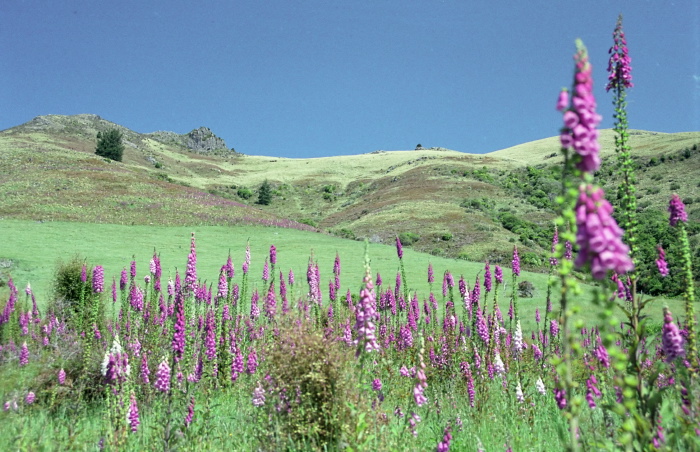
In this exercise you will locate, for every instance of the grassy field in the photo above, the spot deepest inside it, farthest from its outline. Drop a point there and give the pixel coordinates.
(36, 248)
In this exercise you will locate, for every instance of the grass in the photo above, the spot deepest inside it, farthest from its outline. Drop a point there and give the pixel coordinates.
(36, 248)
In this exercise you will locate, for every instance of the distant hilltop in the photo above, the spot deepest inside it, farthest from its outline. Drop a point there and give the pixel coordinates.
(201, 140)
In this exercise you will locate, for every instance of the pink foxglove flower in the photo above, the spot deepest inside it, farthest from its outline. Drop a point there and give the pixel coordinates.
(671, 339)
(273, 255)
(191, 271)
(133, 414)
(619, 70)
(163, 376)
(30, 398)
(364, 318)
(581, 120)
(190, 413)
(661, 261)
(598, 236)
(259, 396)
(24, 355)
(399, 248)
(487, 277)
(516, 262)
(498, 273)
(444, 445)
(61, 376)
(676, 209)
(98, 279)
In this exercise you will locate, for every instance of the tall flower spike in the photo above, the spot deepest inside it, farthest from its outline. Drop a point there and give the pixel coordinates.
(516, 262)
(676, 209)
(399, 248)
(661, 261)
(619, 69)
(191, 272)
(98, 279)
(671, 339)
(598, 236)
(581, 119)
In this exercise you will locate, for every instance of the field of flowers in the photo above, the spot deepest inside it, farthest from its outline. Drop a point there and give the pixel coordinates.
(278, 361)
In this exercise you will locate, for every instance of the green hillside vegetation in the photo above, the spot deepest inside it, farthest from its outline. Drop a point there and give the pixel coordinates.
(449, 203)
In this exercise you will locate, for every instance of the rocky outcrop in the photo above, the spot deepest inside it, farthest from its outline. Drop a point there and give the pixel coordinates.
(204, 141)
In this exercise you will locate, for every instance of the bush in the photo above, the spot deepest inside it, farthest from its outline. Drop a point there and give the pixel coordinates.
(308, 388)
(526, 289)
(109, 145)
(408, 238)
(244, 193)
(265, 194)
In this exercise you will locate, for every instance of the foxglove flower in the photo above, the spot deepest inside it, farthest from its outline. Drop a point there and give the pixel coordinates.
(266, 272)
(498, 273)
(290, 277)
(518, 339)
(671, 339)
(539, 385)
(98, 279)
(516, 262)
(676, 209)
(553, 328)
(555, 239)
(83, 274)
(61, 376)
(399, 248)
(191, 271)
(222, 289)
(24, 355)
(190, 413)
(519, 396)
(598, 236)
(661, 261)
(364, 318)
(163, 376)
(619, 70)
(254, 308)
(419, 389)
(30, 398)
(252, 364)
(178, 343)
(487, 277)
(592, 391)
(123, 280)
(230, 271)
(581, 120)
(273, 255)
(377, 384)
(444, 445)
(431, 275)
(258, 396)
(498, 365)
(133, 414)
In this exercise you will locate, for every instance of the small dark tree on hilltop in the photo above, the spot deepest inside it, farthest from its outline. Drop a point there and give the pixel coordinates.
(265, 194)
(109, 145)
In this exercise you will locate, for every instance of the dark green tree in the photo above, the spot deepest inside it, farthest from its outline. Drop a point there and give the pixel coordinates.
(109, 145)
(265, 194)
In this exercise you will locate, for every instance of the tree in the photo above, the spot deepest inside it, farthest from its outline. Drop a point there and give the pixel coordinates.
(109, 145)
(265, 194)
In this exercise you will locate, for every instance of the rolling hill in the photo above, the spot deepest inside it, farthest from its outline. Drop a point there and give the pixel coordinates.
(446, 202)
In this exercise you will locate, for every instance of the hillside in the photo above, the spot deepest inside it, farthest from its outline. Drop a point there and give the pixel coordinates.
(450, 203)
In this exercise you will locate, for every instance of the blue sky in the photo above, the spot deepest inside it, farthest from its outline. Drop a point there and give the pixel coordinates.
(316, 78)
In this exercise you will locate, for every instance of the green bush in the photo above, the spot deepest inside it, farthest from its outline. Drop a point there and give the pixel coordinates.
(244, 193)
(109, 145)
(310, 381)
(408, 238)
(265, 194)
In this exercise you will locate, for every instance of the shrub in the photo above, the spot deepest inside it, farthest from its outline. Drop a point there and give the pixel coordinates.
(109, 145)
(408, 238)
(675, 186)
(308, 388)
(446, 237)
(265, 194)
(244, 193)
(526, 289)
(309, 221)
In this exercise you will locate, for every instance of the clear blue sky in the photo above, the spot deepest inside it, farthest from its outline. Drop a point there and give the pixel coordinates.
(316, 78)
